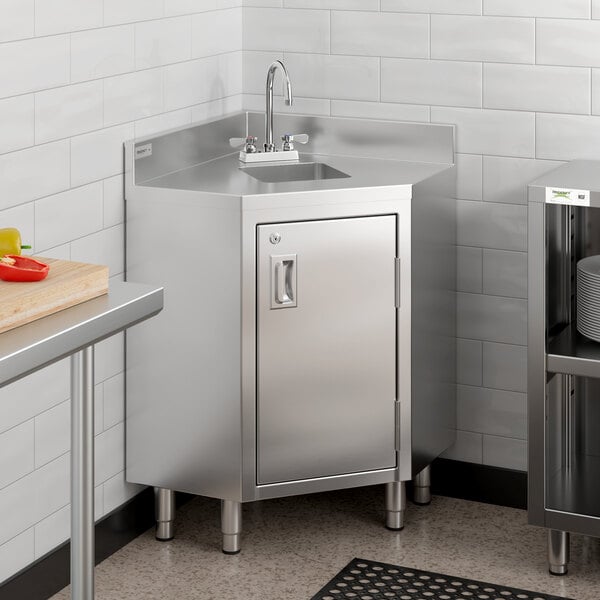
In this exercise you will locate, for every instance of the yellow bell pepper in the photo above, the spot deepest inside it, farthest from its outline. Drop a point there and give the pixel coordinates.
(10, 241)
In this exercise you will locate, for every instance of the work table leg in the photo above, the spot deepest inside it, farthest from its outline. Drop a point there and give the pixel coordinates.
(82, 474)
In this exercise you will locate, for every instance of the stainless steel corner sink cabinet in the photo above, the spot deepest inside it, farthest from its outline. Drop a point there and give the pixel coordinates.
(309, 171)
(308, 337)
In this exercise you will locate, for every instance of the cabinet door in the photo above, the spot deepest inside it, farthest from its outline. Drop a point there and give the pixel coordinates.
(326, 348)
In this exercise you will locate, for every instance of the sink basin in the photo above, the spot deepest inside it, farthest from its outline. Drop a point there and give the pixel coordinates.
(310, 171)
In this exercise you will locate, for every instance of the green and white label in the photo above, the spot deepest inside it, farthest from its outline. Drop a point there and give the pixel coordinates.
(567, 196)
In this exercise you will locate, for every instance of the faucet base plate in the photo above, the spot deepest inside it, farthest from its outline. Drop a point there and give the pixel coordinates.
(261, 157)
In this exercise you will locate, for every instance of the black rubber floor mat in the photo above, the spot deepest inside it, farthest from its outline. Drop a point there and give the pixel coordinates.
(369, 580)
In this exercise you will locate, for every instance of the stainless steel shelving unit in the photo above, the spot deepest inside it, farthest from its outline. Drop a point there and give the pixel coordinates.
(571, 353)
(563, 365)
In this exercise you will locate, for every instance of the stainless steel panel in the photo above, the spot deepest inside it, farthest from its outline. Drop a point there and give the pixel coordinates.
(188, 146)
(572, 447)
(433, 318)
(366, 137)
(586, 223)
(584, 524)
(326, 369)
(183, 372)
(556, 263)
(536, 350)
(587, 419)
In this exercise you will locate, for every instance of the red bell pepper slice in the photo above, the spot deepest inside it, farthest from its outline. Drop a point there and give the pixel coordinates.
(23, 268)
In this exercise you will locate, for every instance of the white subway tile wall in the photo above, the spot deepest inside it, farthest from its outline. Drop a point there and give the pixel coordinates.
(520, 79)
(77, 79)
(16, 123)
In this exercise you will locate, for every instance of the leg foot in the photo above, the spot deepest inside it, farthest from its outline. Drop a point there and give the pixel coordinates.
(559, 543)
(395, 505)
(422, 487)
(164, 506)
(231, 526)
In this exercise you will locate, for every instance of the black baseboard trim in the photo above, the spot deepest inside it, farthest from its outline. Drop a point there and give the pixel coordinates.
(51, 573)
(481, 483)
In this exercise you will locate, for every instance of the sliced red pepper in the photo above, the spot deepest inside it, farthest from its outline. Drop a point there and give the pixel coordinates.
(24, 268)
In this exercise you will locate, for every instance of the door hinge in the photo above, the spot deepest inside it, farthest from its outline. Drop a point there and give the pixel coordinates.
(397, 425)
(397, 274)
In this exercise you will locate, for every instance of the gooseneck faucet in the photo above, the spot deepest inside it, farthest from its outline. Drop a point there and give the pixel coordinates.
(269, 146)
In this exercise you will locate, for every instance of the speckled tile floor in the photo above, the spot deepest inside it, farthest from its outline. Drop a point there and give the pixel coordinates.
(293, 546)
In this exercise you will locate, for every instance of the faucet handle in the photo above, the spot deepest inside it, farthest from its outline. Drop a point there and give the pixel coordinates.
(301, 138)
(249, 142)
(288, 140)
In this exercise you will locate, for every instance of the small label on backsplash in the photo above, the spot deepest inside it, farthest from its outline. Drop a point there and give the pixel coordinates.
(143, 151)
(567, 196)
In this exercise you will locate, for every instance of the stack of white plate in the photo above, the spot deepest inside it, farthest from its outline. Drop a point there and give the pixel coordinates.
(588, 297)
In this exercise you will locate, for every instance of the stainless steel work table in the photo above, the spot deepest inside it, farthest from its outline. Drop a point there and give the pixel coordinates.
(73, 332)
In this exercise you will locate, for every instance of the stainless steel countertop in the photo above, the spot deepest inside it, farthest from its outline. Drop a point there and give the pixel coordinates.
(578, 174)
(226, 175)
(39, 343)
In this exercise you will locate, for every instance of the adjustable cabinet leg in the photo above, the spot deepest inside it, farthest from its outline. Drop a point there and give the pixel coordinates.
(164, 507)
(422, 487)
(559, 546)
(231, 526)
(395, 505)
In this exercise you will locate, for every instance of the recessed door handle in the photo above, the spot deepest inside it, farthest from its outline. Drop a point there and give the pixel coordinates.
(283, 292)
(283, 281)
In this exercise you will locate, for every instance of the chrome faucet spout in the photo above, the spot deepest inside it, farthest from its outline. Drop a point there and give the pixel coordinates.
(289, 99)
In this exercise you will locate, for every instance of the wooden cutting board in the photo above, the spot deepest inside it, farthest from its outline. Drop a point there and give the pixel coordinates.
(68, 283)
